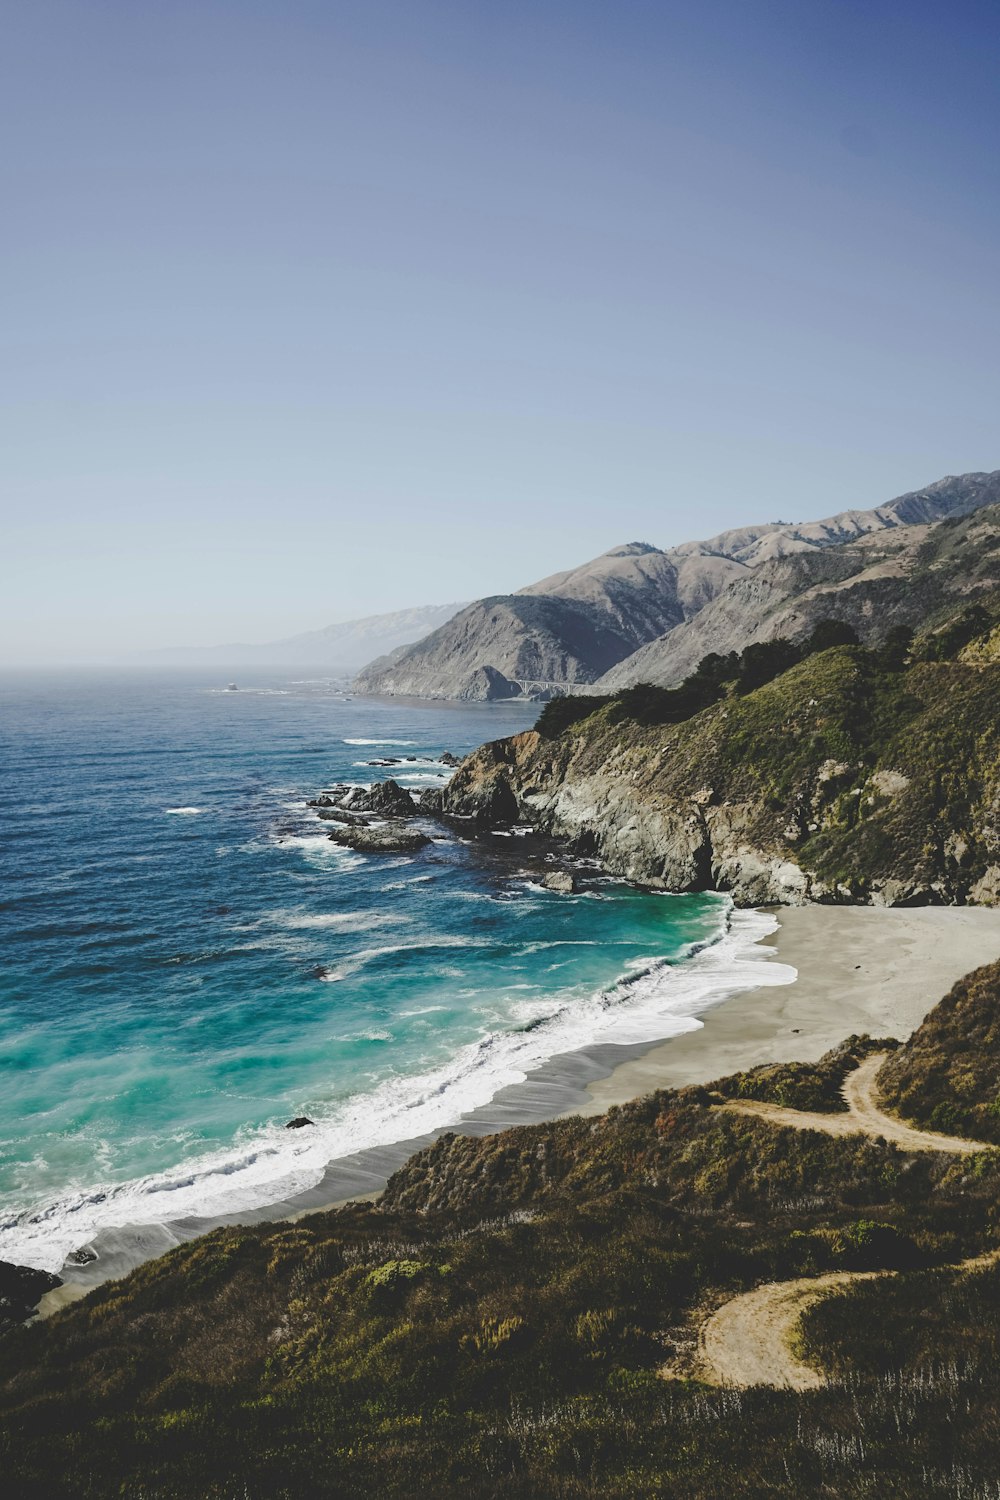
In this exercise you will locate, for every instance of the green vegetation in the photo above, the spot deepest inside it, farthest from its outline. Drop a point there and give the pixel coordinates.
(811, 1087)
(515, 1319)
(714, 678)
(871, 769)
(949, 1078)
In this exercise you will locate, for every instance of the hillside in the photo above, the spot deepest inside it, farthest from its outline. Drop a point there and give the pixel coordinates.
(568, 629)
(856, 775)
(343, 647)
(910, 575)
(518, 1316)
(634, 614)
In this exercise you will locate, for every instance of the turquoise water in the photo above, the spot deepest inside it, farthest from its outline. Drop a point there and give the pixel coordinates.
(189, 961)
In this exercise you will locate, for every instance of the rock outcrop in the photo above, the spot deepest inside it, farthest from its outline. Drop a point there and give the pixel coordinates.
(836, 782)
(394, 837)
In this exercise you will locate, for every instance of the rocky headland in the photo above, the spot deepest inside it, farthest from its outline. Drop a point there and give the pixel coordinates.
(855, 776)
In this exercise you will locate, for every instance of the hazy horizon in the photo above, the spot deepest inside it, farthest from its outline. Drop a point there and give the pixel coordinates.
(317, 313)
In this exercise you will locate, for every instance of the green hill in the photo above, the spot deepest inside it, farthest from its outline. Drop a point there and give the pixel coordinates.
(857, 775)
(516, 1318)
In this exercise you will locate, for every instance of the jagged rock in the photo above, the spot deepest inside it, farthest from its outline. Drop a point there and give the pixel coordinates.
(387, 799)
(562, 881)
(386, 838)
(299, 1123)
(447, 759)
(431, 801)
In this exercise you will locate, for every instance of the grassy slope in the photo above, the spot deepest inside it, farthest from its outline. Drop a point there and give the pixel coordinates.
(799, 755)
(948, 1076)
(494, 1328)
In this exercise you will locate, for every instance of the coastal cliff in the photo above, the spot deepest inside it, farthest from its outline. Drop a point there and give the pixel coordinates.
(842, 780)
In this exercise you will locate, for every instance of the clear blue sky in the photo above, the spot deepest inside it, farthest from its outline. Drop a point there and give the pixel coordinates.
(312, 310)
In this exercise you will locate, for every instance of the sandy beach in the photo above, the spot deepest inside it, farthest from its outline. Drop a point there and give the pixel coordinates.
(860, 969)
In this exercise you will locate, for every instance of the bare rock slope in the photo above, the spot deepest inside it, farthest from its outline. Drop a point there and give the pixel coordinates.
(639, 613)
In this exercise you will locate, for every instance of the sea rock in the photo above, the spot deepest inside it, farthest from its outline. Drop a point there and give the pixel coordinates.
(341, 815)
(387, 799)
(447, 759)
(431, 801)
(385, 838)
(560, 880)
(299, 1123)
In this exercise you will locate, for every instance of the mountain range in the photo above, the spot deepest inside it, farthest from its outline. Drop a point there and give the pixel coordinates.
(640, 613)
(344, 647)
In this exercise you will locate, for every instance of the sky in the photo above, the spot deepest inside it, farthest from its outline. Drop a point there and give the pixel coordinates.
(315, 310)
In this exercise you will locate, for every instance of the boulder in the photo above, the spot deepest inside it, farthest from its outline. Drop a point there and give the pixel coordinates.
(299, 1123)
(560, 880)
(431, 801)
(387, 838)
(387, 799)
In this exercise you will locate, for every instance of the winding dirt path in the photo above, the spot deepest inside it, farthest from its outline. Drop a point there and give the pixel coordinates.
(862, 1114)
(747, 1341)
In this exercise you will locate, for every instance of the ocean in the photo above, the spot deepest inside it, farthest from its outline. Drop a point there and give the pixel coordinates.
(189, 962)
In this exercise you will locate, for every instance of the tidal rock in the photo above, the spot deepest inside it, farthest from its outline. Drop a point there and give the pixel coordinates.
(299, 1122)
(386, 798)
(386, 838)
(431, 801)
(560, 880)
(447, 759)
(341, 815)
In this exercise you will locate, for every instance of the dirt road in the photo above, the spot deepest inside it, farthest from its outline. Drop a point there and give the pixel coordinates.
(862, 1114)
(747, 1341)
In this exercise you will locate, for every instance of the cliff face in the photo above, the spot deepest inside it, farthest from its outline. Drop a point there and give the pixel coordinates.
(565, 630)
(641, 614)
(839, 781)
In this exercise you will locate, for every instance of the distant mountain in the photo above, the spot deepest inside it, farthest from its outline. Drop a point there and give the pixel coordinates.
(639, 613)
(337, 648)
(870, 569)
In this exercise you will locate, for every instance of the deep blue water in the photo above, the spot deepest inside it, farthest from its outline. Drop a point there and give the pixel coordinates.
(189, 961)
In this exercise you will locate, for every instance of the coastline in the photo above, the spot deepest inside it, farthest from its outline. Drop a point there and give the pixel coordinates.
(859, 969)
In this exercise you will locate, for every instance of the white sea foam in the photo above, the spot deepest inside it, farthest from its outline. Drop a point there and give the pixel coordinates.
(184, 812)
(270, 1165)
(360, 921)
(379, 742)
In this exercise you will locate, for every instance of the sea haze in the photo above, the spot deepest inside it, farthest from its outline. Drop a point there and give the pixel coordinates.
(190, 961)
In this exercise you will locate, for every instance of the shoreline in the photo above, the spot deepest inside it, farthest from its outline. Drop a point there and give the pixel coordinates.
(859, 969)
